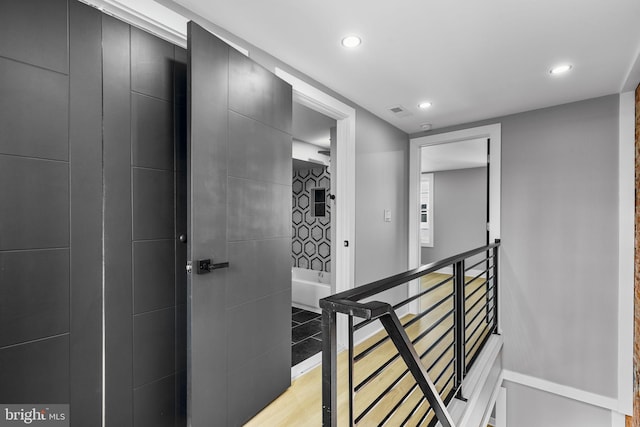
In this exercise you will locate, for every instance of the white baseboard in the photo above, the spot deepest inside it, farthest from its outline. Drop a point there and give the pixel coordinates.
(562, 390)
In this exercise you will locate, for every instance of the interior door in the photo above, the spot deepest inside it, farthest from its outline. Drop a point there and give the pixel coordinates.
(239, 172)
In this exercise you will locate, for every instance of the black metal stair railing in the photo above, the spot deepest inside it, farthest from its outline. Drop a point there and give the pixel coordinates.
(408, 372)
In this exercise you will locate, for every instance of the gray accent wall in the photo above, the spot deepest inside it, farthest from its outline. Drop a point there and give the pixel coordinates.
(459, 213)
(559, 265)
(89, 216)
(51, 209)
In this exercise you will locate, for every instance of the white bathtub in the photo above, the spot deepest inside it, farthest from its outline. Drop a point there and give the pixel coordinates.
(308, 286)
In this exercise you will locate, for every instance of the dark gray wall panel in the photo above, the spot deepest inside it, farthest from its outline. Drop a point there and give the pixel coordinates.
(153, 205)
(151, 65)
(151, 132)
(181, 398)
(35, 31)
(251, 262)
(33, 111)
(153, 345)
(180, 163)
(153, 275)
(154, 404)
(256, 93)
(38, 372)
(117, 223)
(34, 295)
(85, 157)
(181, 338)
(256, 210)
(35, 203)
(180, 77)
(252, 145)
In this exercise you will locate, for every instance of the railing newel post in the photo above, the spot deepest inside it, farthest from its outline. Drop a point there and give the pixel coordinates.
(329, 368)
(495, 287)
(459, 322)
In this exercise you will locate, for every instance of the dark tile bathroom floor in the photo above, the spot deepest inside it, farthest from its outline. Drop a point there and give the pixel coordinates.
(306, 338)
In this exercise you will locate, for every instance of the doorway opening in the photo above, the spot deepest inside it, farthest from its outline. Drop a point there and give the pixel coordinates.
(342, 174)
(312, 221)
(454, 190)
(434, 240)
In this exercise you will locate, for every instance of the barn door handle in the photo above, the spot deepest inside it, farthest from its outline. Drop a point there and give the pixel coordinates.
(205, 266)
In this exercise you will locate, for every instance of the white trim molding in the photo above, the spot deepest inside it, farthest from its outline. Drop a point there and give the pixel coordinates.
(626, 208)
(561, 390)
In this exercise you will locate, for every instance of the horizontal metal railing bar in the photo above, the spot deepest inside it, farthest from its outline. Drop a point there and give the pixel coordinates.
(434, 363)
(444, 370)
(466, 298)
(362, 354)
(413, 411)
(399, 403)
(470, 309)
(475, 356)
(366, 291)
(473, 319)
(476, 277)
(423, 293)
(403, 374)
(381, 396)
(364, 323)
(422, 335)
(406, 349)
(396, 356)
(377, 372)
(426, 414)
(466, 341)
(484, 260)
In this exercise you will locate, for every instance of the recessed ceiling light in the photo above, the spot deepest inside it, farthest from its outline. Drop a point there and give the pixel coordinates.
(560, 69)
(351, 41)
(425, 126)
(424, 105)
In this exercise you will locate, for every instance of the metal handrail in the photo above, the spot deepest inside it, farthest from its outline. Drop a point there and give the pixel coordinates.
(373, 288)
(348, 302)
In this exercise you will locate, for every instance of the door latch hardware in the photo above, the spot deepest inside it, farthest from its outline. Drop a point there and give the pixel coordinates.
(206, 266)
(189, 267)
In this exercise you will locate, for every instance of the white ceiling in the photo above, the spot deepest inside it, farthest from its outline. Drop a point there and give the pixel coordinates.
(472, 59)
(455, 155)
(311, 126)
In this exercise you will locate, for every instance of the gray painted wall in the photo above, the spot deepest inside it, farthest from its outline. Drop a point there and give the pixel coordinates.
(528, 407)
(382, 182)
(460, 213)
(559, 261)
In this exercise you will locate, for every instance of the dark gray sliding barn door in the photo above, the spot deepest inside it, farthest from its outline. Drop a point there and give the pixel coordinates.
(239, 133)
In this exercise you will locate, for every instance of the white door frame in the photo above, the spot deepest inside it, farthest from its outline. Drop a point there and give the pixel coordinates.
(343, 185)
(493, 132)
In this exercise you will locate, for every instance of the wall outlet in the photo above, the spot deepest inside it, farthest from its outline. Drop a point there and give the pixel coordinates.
(387, 215)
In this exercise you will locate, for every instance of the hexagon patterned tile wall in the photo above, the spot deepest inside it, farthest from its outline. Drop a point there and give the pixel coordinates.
(311, 241)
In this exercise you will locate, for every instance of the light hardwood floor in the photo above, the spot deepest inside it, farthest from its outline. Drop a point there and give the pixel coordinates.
(301, 404)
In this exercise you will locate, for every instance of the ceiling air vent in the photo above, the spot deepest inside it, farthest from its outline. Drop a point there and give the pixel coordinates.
(399, 111)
